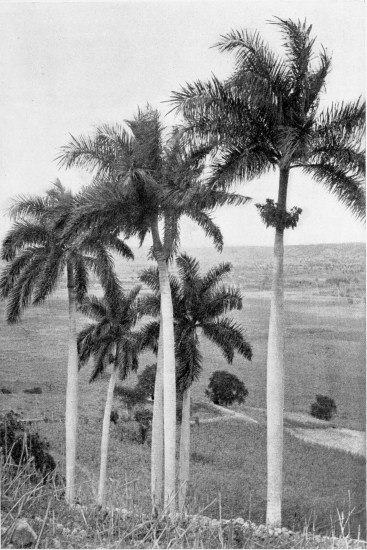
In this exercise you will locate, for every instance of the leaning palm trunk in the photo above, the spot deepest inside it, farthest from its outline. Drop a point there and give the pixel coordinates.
(157, 433)
(105, 439)
(71, 414)
(275, 371)
(184, 464)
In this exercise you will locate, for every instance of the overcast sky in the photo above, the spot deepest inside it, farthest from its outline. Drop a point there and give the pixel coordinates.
(66, 67)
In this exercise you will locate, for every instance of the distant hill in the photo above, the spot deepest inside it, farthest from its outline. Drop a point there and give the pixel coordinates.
(305, 265)
(252, 265)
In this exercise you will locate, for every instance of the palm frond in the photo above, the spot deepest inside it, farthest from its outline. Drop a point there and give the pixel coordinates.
(81, 277)
(148, 336)
(220, 300)
(150, 277)
(93, 307)
(14, 268)
(344, 122)
(100, 360)
(49, 276)
(86, 152)
(215, 275)
(86, 344)
(298, 46)
(118, 245)
(210, 229)
(229, 337)
(150, 305)
(27, 206)
(20, 295)
(263, 76)
(349, 189)
(23, 233)
(189, 360)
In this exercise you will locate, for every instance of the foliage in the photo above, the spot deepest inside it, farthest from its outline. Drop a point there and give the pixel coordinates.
(225, 388)
(22, 445)
(200, 301)
(146, 381)
(144, 418)
(267, 114)
(114, 416)
(274, 216)
(37, 252)
(35, 390)
(323, 408)
(130, 396)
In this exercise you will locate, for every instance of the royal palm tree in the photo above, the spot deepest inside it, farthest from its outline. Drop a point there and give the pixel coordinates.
(199, 305)
(110, 339)
(267, 116)
(37, 257)
(135, 180)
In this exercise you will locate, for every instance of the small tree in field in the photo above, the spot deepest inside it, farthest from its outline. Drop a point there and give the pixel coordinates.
(323, 408)
(225, 388)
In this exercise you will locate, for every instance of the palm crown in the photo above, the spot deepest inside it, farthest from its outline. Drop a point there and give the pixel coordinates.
(138, 180)
(111, 338)
(37, 254)
(267, 114)
(199, 303)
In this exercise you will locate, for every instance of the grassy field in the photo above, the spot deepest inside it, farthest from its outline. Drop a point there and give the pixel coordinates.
(325, 353)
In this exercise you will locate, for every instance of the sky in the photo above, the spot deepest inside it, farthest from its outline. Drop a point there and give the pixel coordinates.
(67, 67)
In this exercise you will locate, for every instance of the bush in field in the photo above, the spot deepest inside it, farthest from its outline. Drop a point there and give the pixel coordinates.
(323, 408)
(225, 388)
(22, 445)
(146, 380)
(130, 396)
(114, 416)
(144, 418)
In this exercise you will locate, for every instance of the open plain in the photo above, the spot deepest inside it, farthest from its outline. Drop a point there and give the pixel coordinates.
(325, 353)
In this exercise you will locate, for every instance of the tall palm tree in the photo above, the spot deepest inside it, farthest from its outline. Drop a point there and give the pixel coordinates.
(199, 305)
(110, 340)
(266, 116)
(135, 180)
(37, 256)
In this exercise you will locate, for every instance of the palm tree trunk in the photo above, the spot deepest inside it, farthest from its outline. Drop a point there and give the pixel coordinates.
(105, 439)
(71, 413)
(169, 375)
(184, 464)
(275, 370)
(157, 433)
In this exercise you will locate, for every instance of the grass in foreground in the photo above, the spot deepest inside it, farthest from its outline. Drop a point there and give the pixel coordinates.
(56, 525)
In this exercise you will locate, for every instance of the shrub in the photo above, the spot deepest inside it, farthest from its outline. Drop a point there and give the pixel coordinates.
(323, 408)
(22, 445)
(114, 416)
(146, 380)
(36, 390)
(225, 388)
(130, 396)
(144, 418)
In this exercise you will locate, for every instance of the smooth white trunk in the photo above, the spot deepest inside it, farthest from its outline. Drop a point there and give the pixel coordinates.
(275, 374)
(157, 433)
(169, 373)
(71, 413)
(184, 462)
(169, 390)
(105, 439)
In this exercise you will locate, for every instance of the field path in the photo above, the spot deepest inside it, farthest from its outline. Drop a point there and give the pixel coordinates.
(313, 430)
(351, 441)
